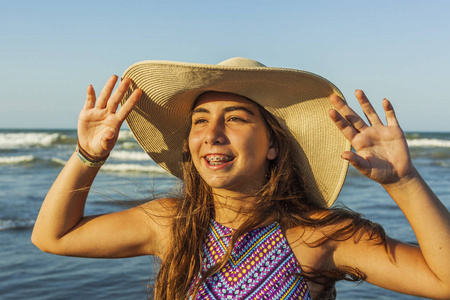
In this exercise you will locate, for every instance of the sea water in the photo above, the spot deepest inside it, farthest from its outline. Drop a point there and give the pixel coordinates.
(30, 160)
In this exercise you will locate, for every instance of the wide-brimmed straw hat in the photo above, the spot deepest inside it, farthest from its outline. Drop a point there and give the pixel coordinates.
(298, 99)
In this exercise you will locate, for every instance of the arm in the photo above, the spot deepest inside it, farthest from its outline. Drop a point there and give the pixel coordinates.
(382, 155)
(61, 226)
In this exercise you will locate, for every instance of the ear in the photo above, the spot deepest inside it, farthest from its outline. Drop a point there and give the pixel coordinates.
(272, 153)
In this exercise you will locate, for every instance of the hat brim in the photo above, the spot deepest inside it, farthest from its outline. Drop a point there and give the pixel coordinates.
(298, 99)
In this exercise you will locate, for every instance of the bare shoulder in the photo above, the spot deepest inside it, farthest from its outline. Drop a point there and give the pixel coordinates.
(330, 231)
(164, 208)
(313, 250)
(311, 245)
(159, 216)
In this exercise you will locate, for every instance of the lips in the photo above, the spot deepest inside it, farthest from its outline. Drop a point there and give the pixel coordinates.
(218, 159)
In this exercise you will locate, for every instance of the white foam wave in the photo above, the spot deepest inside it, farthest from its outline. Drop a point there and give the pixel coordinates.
(59, 161)
(130, 155)
(132, 168)
(428, 143)
(130, 145)
(27, 139)
(123, 168)
(16, 159)
(125, 135)
(15, 224)
(443, 164)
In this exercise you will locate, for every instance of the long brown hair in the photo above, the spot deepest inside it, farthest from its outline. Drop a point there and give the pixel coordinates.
(284, 196)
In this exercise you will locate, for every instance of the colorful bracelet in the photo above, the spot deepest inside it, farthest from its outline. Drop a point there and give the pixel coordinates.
(89, 160)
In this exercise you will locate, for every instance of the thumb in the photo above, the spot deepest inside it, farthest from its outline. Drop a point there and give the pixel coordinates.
(109, 135)
(108, 140)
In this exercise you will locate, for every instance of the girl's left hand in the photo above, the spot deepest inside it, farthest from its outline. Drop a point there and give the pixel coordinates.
(381, 151)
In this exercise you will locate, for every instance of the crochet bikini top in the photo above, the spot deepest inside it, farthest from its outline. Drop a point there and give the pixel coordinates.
(262, 266)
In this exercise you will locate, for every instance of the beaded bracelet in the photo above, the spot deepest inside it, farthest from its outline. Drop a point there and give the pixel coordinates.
(89, 160)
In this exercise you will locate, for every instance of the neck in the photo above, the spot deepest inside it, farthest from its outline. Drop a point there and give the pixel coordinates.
(233, 209)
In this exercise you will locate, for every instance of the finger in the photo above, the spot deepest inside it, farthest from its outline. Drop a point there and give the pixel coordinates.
(348, 113)
(115, 99)
(90, 98)
(357, 161)
(128, 106)
(345, 127)
(106, 92)
(367, 108)
(389, 112)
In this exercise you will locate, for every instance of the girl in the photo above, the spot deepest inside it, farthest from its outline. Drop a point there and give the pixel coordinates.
(261, 164)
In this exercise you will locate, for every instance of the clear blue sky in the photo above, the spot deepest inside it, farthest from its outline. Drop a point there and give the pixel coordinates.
(50, 51)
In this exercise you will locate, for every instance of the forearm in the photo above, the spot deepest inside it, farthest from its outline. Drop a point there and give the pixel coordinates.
(63, 206)
(429, 219)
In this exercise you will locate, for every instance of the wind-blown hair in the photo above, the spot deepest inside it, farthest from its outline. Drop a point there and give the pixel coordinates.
(282, 197)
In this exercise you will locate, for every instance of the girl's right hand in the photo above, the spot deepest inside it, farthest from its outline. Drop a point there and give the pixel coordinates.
(99, 121)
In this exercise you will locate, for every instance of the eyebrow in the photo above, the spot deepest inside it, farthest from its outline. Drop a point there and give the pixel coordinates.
(227, 109)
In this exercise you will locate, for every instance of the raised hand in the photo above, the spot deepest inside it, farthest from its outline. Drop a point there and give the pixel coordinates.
(99, 121)
(381, 151)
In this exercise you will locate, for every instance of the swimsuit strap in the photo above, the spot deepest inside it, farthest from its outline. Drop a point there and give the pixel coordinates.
(262, 266)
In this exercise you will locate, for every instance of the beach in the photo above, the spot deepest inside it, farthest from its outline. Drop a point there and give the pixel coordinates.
(30, 160)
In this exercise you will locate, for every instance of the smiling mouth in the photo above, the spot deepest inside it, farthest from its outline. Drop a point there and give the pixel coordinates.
(217, 160)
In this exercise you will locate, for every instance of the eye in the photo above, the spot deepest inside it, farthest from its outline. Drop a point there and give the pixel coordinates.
(235, 119)
(199, 121)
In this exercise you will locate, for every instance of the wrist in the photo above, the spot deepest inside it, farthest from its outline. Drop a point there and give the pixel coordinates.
(89, 160)
(411, 179)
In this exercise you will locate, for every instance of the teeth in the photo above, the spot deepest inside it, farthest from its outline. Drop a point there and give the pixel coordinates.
(217, 160)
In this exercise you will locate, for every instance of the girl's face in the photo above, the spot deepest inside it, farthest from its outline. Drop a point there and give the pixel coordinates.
(230, 143)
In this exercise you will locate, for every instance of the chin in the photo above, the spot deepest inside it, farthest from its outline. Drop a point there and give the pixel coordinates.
(234, 185)
(218, 183)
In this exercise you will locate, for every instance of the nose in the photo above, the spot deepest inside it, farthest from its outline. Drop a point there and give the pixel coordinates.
(215, 134)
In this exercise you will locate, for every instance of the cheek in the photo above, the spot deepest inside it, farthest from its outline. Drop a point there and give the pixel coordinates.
(258, 144)
(192, 141)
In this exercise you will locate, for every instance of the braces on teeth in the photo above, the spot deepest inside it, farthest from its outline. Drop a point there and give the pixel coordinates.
(218, 158)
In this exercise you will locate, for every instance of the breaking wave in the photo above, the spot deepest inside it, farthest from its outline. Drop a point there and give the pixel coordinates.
(428, 143)
(32, 139)
(13, 160)
(15, 224)
(133, 168)
(130, 155)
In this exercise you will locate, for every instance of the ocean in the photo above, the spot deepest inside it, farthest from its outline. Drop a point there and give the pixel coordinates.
(30, 160)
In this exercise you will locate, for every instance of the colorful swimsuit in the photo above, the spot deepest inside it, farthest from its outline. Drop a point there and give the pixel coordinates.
(262, 266)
